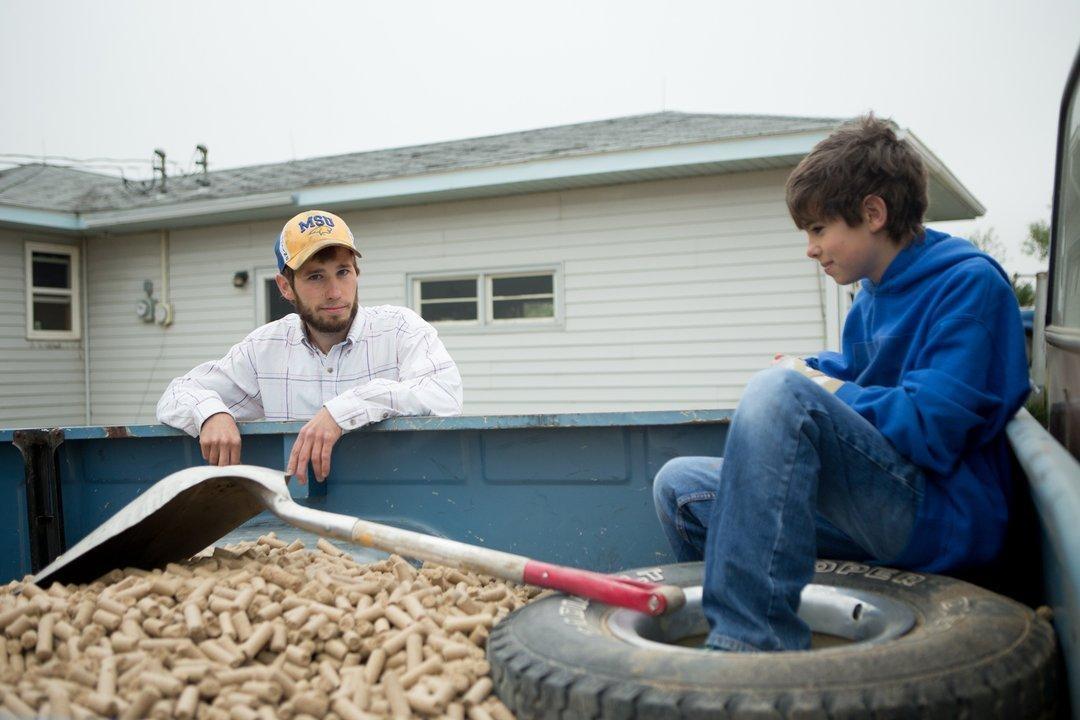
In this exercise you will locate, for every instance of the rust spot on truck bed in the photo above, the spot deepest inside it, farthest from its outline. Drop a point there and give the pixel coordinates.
(116, 431)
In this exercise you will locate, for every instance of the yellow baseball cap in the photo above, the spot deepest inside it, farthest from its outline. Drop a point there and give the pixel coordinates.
(308, 233)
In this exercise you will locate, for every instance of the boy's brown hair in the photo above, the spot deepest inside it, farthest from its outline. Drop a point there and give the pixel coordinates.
(863, 157)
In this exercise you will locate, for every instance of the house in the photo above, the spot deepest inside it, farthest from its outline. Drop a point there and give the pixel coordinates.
(643, 262)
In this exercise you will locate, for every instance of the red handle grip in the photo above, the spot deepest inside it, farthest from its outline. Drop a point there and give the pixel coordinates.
(645, 597)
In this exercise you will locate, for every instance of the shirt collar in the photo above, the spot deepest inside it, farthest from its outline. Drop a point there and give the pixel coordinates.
(357, 329)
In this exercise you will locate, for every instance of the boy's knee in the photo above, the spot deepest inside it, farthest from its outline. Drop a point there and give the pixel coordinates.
(773, 390)
(663, 483)
(671, 480)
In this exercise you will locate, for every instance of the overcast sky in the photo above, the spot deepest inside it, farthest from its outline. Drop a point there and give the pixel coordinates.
(979, 82)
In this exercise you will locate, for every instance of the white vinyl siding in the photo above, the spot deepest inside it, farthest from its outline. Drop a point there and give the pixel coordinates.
(41, 381)
(673, 293)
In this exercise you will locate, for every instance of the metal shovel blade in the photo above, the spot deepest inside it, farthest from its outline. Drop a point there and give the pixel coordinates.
(177, 517)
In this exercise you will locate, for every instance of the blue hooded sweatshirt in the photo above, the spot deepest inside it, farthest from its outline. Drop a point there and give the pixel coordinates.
(933, 356)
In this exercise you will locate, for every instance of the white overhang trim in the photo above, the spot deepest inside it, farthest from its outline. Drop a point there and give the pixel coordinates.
(669, 157)
(43, 219)
(937, 169)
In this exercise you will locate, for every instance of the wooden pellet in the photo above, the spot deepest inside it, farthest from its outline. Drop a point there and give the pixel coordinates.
(328, 673)
(100, 704)
(242, 625)
(106, 619)
(395, 696)
(106, 679)
(478, 692)
(414, 650)
(374, 667)
(16, 705)
(263, 689)
(59, 701)
(260, 636)
(9, 616)
(193, 619)
(468, 622)
(167, 684)
(242, 712)
(430, 666)
(311, 703)
(44, 649)
(18, 626)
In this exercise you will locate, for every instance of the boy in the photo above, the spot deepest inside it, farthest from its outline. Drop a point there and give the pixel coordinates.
(892, 451)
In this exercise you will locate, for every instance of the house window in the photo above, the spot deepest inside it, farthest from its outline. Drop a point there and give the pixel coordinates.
(488, 298)
(449, 300)
(52, 292)
(269, 305)
(522, 297)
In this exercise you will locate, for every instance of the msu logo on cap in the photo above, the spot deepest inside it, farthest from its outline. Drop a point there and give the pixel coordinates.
(309, 232)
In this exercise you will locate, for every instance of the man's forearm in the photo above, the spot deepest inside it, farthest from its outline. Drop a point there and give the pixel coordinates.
(187, 408)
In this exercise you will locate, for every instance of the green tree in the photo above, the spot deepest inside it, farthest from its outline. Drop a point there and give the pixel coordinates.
(1024, 291)
(1037, 243)
(987, 241)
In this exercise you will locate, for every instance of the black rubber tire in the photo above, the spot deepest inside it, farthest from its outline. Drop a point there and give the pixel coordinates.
(971, 654)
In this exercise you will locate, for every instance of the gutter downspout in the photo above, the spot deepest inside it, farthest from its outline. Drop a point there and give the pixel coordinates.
(165, 319)
(85, 243)
(164, 266)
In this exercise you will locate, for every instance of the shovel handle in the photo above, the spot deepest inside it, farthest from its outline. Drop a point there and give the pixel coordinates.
(622, 592)
(645, 597)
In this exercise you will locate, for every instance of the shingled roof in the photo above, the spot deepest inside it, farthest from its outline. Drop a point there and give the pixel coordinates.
(46, 187)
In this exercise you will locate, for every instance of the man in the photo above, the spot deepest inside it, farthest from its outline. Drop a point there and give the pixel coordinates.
(335, 362)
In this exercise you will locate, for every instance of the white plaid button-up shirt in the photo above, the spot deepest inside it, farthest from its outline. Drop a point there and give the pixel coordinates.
(391, 363)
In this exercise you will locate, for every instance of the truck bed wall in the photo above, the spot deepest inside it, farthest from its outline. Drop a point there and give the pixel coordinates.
(570, 489)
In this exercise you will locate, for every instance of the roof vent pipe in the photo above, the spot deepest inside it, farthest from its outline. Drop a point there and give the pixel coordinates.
(159, 166)
(202, 162)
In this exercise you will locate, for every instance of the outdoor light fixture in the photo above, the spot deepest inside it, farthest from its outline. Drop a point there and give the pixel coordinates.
(240, 278)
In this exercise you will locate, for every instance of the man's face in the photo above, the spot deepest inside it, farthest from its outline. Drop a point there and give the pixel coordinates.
(324, 291)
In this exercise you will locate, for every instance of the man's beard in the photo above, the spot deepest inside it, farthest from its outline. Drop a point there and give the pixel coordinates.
(327, 325)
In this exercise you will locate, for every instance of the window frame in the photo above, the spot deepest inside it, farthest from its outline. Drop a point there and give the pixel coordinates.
(485, 320)
(262, 308)
(416, 302)
(74, 292)
(489, 307)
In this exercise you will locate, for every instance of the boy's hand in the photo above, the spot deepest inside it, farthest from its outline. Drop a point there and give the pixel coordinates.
(314, 442)
(799, 365)
(219, 440)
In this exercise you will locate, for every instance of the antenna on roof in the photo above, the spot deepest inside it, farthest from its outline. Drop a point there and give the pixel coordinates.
(204, 164)
(160, 154)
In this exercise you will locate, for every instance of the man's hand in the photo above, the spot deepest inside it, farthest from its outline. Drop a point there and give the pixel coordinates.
(799, 365)
(219, 439)
(314, 442)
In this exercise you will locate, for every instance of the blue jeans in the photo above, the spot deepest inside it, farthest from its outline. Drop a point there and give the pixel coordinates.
(803, 475)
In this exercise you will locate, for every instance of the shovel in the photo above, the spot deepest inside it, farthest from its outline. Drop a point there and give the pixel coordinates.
(188, 510)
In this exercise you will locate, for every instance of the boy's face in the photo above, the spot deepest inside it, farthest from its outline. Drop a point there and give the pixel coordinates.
(848, 254)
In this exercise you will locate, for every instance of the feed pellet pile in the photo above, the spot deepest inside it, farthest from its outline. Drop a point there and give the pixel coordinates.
(256, 631)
